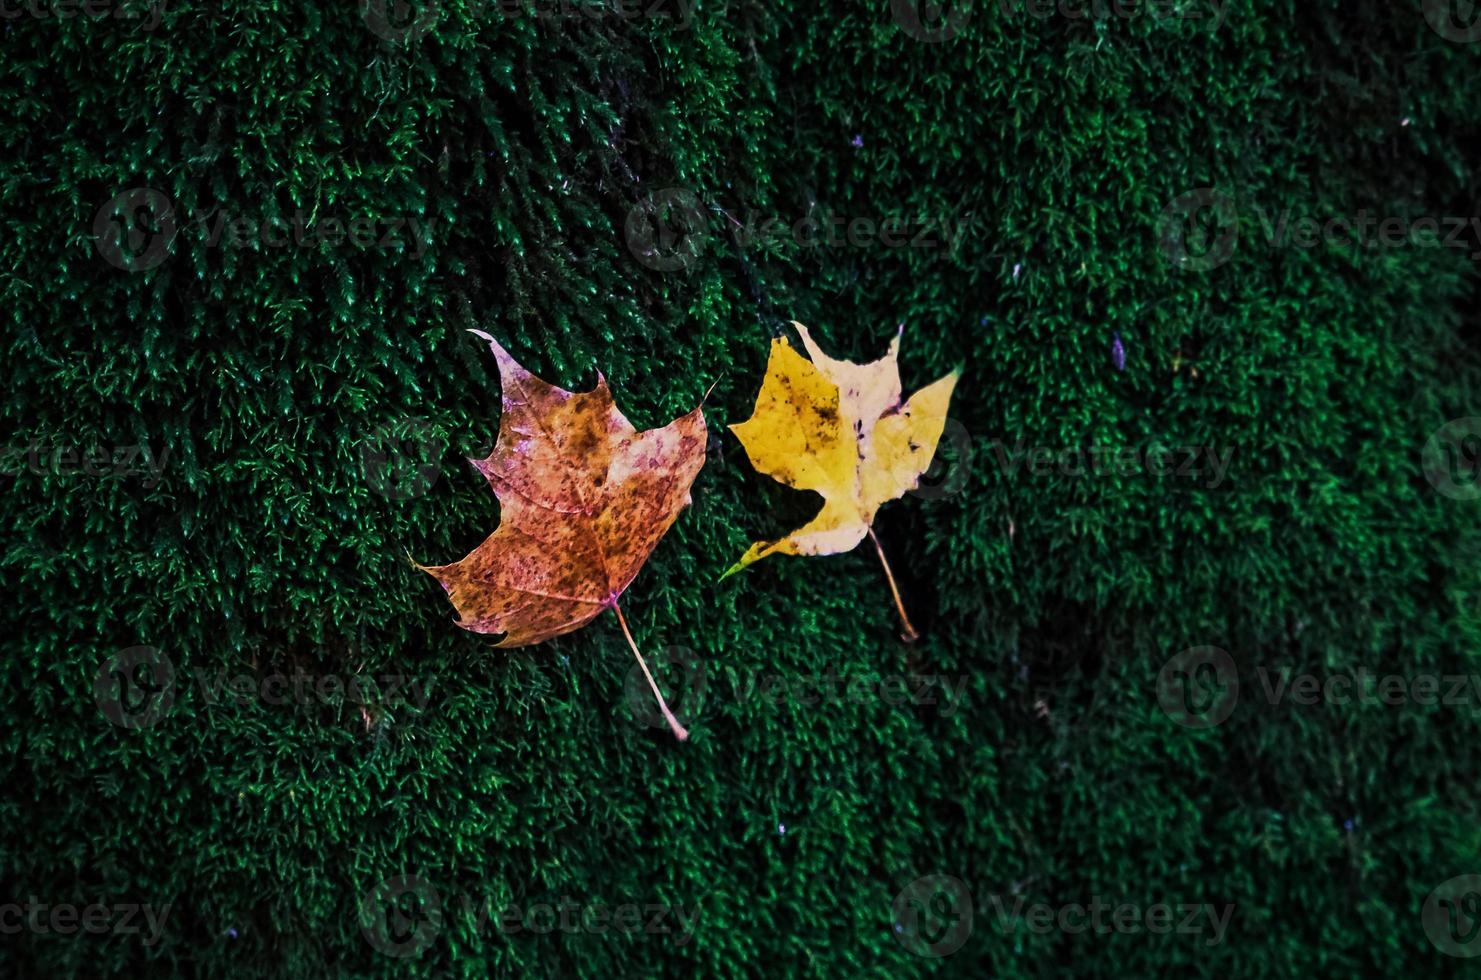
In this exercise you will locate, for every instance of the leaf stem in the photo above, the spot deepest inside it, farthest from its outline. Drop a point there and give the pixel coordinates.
(680, 732)
(910, 635)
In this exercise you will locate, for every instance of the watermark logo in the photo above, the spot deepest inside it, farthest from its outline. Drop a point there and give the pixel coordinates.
(1199, 687)
(1452, 459)
(1454, 20)
(401, 916)
(402, 459)
(956, 463)
(1199, 230)
(135, 229)
(401, 21)
(666, 230)
(1452, 916)
(930, 21)
(932, 915)
(135, 688)
(680, 670)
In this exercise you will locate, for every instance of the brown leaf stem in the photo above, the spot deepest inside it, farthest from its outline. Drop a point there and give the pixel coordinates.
(680, 732)
(910, 635)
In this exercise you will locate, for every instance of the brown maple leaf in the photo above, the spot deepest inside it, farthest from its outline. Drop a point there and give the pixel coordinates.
(584, 498)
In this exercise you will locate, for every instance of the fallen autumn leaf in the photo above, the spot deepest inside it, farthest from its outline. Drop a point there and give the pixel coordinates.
(839, 428)
(584, 499)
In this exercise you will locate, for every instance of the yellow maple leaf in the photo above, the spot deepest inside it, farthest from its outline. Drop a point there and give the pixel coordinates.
(839, 429)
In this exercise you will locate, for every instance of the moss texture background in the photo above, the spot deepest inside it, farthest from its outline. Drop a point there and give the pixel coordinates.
(307, 394)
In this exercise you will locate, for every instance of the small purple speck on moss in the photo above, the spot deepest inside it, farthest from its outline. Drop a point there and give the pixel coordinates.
(232, 932)
(857, 142)
(1118, 351)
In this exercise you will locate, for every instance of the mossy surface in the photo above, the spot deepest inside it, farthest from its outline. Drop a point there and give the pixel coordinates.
(310, 404)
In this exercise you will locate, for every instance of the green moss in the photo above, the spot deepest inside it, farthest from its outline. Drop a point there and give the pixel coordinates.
(306, 396)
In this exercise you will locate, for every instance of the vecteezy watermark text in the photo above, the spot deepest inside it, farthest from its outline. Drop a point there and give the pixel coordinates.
(1104, 917)
(402, 916)
(919, 690)
(94, 461)
(137, 688)
(934, 916)
(1201, 229)
(137, 229)
(957, 451)
(934, 21)
(95, 918)
(669, 229)
(300, 687)
(690, 679)
(1202, 464)
(94, 10)
(679, 12)
(407, 21)
(1200, 687)
(568, 916)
